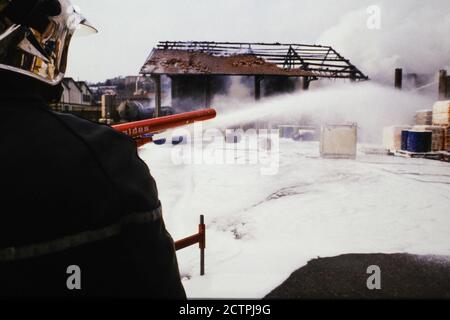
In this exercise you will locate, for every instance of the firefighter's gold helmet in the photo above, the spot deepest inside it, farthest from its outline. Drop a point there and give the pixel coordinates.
(35, 37)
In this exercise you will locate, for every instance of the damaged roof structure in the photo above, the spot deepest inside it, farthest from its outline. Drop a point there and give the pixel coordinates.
(198, 70)
(234, 58)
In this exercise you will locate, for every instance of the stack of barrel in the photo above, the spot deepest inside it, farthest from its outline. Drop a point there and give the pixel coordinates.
(441, 118)
(430, 134)
(437, 136)
(417, 141)
(424, 137)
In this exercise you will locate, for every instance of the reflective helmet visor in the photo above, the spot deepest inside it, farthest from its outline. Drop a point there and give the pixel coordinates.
(41, 54)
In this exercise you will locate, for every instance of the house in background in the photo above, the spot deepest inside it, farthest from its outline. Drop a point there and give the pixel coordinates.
(76, 93)
(77, 98)
(86, 93)
(85, 100)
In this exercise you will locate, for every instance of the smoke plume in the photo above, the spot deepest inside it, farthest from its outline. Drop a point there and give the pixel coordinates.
(413, 35)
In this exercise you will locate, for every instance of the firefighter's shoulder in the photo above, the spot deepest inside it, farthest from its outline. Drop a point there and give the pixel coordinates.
(117, 155)
(91, 131)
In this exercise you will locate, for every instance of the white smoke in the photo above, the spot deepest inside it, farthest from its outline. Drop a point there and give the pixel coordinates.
(414, 35)
(370, 105)
(237, 94)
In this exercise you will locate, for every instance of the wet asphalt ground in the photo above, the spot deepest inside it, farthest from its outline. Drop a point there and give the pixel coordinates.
(401, 276)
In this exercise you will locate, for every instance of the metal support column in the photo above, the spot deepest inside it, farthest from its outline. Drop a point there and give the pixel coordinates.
(353, 76)
(399, 78)
(258, 80)
(443, 94)
(157, 81)
(306, 82)
(208, 96)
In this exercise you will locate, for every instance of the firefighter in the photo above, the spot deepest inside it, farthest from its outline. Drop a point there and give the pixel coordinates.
(80, 215)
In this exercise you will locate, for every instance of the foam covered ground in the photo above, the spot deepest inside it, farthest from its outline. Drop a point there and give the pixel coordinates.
(262, 228)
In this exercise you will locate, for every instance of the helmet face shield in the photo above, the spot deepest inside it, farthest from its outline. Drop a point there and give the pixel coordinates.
(41, 54)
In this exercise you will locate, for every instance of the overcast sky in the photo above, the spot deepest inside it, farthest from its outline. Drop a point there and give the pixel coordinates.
(130, 29)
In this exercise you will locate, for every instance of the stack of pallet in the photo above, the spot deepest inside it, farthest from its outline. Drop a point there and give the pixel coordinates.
(424, 117)
(441, 113)
(441, 117)
(438, 136)
(447, 139)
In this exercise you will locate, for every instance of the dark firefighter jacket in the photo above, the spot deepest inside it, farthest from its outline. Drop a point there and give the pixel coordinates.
(75, 193)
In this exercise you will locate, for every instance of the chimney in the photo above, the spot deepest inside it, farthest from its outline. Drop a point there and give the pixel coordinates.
(399, 78)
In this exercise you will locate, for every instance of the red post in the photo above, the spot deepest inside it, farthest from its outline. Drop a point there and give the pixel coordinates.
(199, 238)
(187, 242)
(202, 244)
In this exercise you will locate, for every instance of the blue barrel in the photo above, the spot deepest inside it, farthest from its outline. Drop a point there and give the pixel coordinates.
(287, 132)
(160, 142)
(419, 141)
(405, 134)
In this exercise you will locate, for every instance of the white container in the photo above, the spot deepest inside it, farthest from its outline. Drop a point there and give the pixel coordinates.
(339, 141)
(392, 137)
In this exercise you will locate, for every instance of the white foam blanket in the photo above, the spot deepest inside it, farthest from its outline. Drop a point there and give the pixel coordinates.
(262, 228)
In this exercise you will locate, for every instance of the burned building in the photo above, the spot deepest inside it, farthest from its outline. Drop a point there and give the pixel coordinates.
(201, 70)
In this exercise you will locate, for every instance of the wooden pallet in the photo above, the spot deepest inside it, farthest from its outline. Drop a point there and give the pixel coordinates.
(423, 155)
(445, 156)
